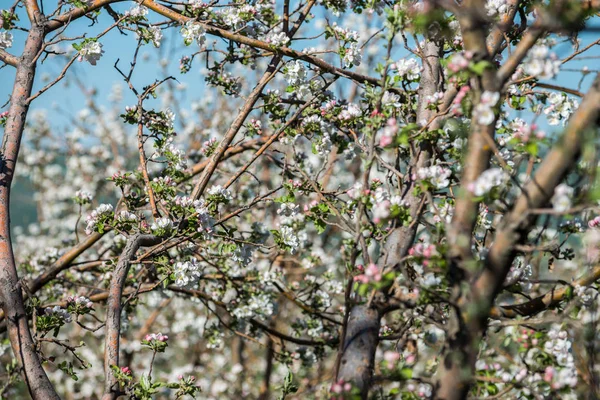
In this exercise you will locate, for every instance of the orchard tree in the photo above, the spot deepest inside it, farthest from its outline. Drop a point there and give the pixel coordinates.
(342, 199)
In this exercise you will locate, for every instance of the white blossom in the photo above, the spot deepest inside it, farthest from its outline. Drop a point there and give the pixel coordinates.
(289, 238)
(155, 35)
(560, 109)
(258, 305)
(295, 73)
(352, 111)
(541, 63)
(483, 112)
(277, 39)
(220, 191)
(162, 226)
(91, 51)
(496, 7)
(137, 11)
(352, 56)
(6, 40)
(103, 210)
(430, 280)
(436, 175)
(489, 179)
(193, 31)
(83, 196)
(187, 273)
(391, 99)
(126, 216)
(562, 198)
(408, 68)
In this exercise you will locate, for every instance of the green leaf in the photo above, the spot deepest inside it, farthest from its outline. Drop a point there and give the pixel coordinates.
(406, 373)
(479, 67)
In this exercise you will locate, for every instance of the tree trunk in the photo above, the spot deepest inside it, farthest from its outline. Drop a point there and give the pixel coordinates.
(21, 340)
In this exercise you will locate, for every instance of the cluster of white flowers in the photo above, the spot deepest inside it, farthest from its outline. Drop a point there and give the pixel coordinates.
(166, 181)
(59, 312)
(314, 123)
(243, 255)
(126, 216)
(391, 99)
(351, 112)
(258, 305)
(430, 280)
(444, 213)
(295, 73)
(162, 226)
(524, 132)
(187, 273)
(315, 328)
(436, 175)
(562, 198)
(382, 203)
(83, 196)
(277, 39)
(422, 390)
(80, 301)
(352, 56)
(176, 157)
(483, 112)
(137, 11)
(184, 201)
(237, 16)
(409, 69)
(324, 145)
(559, 346)
(193, 31)
(156, 35)
(91, 51)
(541, 63)
(460, 61)
(289, 238)
(560, 109)
(6, 40)
(203, 215)
(434, 99)
(197, 4)
(345, 34)
(495, 7)
(103, 210)
(489, 179)
(289, 213)
(221, 192)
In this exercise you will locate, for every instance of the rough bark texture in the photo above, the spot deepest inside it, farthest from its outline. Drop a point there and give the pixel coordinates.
(113, 314)
(21, 340)
(359, 349)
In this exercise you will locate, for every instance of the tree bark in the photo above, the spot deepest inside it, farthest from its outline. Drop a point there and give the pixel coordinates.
(113, 314)
(21, 340)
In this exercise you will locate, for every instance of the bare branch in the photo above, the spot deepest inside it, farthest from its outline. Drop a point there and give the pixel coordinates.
(8, 58)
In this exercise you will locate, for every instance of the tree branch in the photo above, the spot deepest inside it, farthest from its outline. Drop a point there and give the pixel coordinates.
(8, 58)
(113, 316)
(23, 347)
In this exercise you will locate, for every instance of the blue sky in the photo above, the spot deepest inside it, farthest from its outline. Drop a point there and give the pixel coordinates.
(116, 46)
